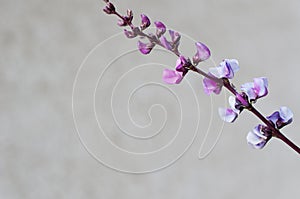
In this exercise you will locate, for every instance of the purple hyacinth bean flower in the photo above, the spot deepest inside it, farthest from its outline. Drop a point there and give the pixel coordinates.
(145, 22)
(175, 36)
(256, 89)
(181, 63)
(229, 114)
(203, 53)
(282, 117)
(256, 138)
(145, 48)
(210, 86)
(226, 69)
(172, 76)
(160, 28)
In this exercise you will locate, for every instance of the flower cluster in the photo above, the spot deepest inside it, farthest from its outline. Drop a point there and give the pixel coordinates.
(184, 64)
(214, 80)
(261, 134)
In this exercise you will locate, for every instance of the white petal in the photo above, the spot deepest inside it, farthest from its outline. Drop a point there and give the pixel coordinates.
(248, 88)
(227, 115)
(232, 102)
(285, 113)
(255, 141)
(234, 64)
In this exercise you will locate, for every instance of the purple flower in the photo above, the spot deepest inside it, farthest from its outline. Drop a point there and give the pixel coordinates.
(203, 53)
(210, 86)
(282, 117)
(181, 63)
(175, 36)
(256, 138)
(172, 76)
(165, 43)
(145, 48)
(160, 28)
(226, 69)
(175, 76)
(145, 22)
(129, 34)
(256, 89)
(229, 114)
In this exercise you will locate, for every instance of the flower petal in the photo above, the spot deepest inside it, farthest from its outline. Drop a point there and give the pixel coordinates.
(247, 88)
(285, 114)
(217, 71)
(228, 115)
(211, 86)
(145, 22)
(160, 28)
(232, 103)
(233, 63)
(145, 48)
(180, 63)
(274, 117)
(225, 69)
(256, 139)
(203, 53)
(172, 76)
(260, 86)
(175, 36)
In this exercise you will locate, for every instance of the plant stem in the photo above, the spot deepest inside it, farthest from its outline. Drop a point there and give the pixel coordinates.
(222, 82)
(275, 132)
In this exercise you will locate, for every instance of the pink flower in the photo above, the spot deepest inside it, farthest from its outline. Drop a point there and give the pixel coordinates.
(145, 48)
(210, 86)
(172, 76)
(176, 76)
(203, 53)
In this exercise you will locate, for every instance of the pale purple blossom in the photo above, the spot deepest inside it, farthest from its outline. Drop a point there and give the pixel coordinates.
(226, 69)
(229, 114)
(172, 76)
(211, 86)
(256, 89)
(282, 117)
(203, 53)
(160, 28)
(176, 76)
(145, 48)
(145, 22)
(175, 36)
(256, 138)
(181, 63)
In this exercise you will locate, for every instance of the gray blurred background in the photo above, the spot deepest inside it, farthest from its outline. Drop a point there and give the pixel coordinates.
(43, 44)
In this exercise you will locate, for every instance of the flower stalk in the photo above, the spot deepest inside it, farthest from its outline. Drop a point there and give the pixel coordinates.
(213, 81)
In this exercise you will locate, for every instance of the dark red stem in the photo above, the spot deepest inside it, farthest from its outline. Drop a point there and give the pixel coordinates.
(275, 132)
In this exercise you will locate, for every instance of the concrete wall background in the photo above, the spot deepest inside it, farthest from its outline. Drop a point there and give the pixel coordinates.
(42, 46)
